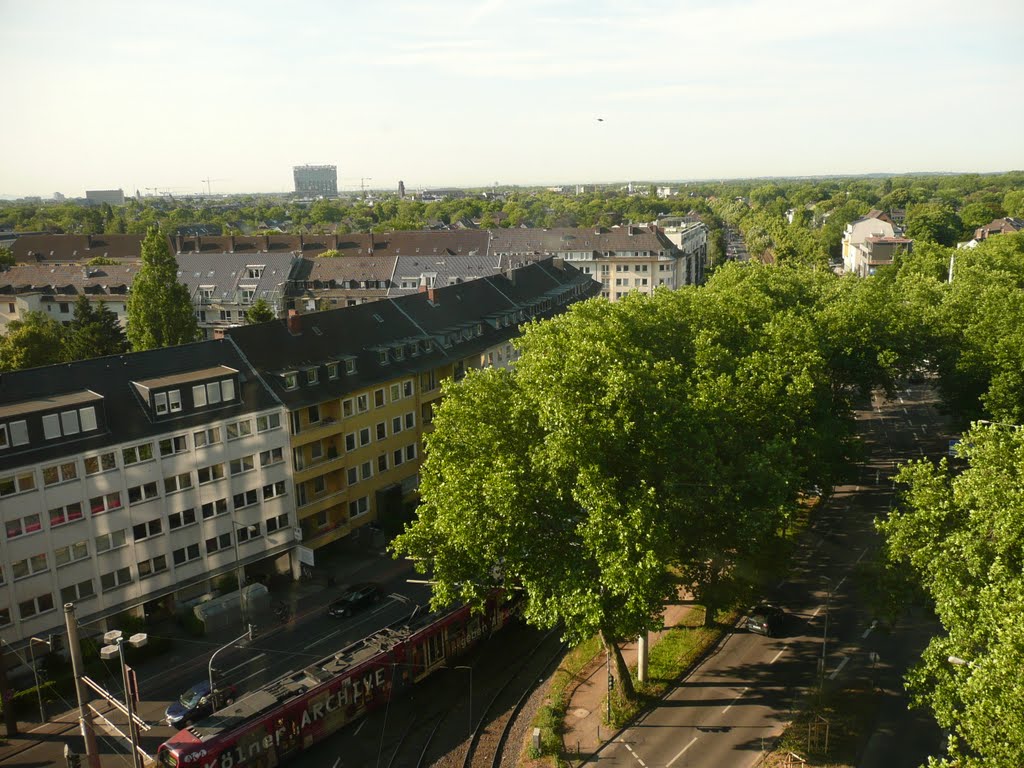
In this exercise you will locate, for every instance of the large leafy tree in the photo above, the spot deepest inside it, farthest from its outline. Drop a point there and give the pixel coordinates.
(962, 538)
(160, 312)
(259, 312)
(93, 332)
(934, 222)
(33, 341)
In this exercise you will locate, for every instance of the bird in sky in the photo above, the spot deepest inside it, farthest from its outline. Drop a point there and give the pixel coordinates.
(600, 119)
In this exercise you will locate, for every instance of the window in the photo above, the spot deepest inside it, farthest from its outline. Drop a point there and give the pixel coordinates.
(291, 380)
(350, 366)
(397, 457)
(238, 429)
(68, 514)
(186, 554)
(382, 430)
(350, 441)
(316, 450)
(312, 375)
(217, 543)
(319, 485)
(362, 403)
(116, 579)
(396, 392)
(382, 463)
(13, 484)
(35, 606)
(100, 504)
(364, 436)
(332, 370)
(160, 402)
(206, 437)
(152, 567)
(313, 414)
(60, 473)
(359, 507)
(378, 398)
(347, 407)
(365, 470)
(277, 523)
(214, 508)
(254, 271)
(407, 388)
(137, 453)
(76, 592)
(112, 540)
(177, 520)
(352, 475)
(211, 473)
(5, 613)
(383, 356)
(18, 433)
(245, 499)
(248, 293)
(410, 452)
(172, 445)
(199, 395)
(144, 531)
(270, 421)
(71, 553)
(273, 490)
(410, 420)
(69, 422)
(144, 492)
(178, 483)
(428, 381)
(244, 464)
(102, 463)
(249, 532)
(29, 566)
(396, 425)
(273, 456)
(213, 393)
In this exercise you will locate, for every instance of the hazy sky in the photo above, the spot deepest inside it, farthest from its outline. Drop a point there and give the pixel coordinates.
(148, 93)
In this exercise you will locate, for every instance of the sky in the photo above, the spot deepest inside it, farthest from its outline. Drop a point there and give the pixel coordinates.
(150, 94)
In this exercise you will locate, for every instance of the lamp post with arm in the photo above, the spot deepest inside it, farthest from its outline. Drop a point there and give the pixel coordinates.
(35, 672)
(115, 645)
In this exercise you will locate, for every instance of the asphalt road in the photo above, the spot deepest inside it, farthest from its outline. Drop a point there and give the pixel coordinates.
(738, 701)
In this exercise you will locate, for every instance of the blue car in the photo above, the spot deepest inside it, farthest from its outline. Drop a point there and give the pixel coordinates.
(195, 704)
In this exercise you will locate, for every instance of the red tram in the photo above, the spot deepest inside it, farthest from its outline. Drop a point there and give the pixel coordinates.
(270, 725)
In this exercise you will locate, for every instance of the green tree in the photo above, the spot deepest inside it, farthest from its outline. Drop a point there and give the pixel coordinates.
(935, 222)
(160, 312)
(960, 537)
(31, 342)
(259, 312)
(6, 257)
(93, 332)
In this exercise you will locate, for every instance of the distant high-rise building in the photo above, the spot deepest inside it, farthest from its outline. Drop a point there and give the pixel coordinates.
(316, 180)
(401, 189)
(58, 197)
(100, 196)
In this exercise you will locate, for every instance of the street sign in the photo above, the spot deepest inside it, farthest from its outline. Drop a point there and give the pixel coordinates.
(305, 556)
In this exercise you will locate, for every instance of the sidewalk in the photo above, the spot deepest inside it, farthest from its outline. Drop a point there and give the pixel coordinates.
(43, 744)
(584, 734)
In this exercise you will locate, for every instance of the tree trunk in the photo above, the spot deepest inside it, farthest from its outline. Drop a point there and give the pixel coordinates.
(623, 679)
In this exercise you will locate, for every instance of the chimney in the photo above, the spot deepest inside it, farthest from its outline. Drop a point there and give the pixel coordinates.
(178, 242)
(333, 241)
(558, 263)
(198, 243)
(232, 244)
(88, 241)
(302, 243)
(294, 323)
(430, 295)
(266, 243)
(369, 250)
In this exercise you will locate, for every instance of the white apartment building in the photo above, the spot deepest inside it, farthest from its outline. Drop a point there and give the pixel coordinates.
(129, 483)
(875, 224)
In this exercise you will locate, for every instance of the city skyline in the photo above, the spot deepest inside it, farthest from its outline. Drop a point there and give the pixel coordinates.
(163, 97)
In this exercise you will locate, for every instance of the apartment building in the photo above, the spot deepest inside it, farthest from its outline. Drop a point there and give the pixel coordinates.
(361, 383)
(875, 224)
(129, 483)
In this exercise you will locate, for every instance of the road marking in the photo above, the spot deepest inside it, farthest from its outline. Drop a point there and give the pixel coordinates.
(861, 556)
(868, 630)
(839, 668)
(776, 658)
(905, 412)
(681, 751)
(323, 639)
(357, 730)
(817, 611)
(336, 763)
(738, 697)
(244, 664)
(634, 754)
(838, 584)
(901, 402)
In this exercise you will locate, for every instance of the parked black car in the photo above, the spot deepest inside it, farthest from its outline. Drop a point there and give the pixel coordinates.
(766, 619)
(355, 599)
(195, 704)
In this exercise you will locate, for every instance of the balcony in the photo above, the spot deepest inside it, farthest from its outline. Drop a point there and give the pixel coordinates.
(327, 427)
(321, 503)
(330, 462)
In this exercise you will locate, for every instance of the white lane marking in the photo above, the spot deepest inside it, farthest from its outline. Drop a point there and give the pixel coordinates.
(680, 753)
(257, 672)
(738, 697)
(336, 763)
(838, 584)
(323, 639)
(243, 664)
(776, 657)
(817, 611)
(357, 730)
(861, 555)
(839, 668)
(905, 412)
(634, 754)
(868, 630)
(901, 401)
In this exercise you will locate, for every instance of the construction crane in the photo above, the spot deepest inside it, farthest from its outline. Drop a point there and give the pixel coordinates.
(207, 181)
(362, 185)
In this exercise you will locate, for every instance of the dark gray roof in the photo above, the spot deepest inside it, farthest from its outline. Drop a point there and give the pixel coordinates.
(446, 269)
(360, 333)
(226, 272)
(124, 416)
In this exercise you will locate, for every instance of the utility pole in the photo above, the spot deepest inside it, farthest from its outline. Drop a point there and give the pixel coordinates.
(92, 754)
(641, 657)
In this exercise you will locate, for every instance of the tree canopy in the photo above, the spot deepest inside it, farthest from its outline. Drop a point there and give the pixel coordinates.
(160, 312)
(259, 312)
(94, 331)
(35, 340)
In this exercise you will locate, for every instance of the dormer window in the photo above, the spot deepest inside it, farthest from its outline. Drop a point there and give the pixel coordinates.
(332, 370)
(248, 293)
(312, 375)
(350, 366)
(167, 402)
(383, 355)
(399, 353)
(254, 271)
(291, 379)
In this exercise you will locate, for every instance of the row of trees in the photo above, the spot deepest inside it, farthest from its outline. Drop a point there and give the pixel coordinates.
(649, 444)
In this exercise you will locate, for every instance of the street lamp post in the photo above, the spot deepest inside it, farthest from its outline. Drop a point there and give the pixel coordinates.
(238, 573)
(35, 673)
(115, 645)
(213, 691)
(824, 636)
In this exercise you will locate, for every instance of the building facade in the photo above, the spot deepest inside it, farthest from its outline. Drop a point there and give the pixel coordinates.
(874, 224)
(316, 180)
